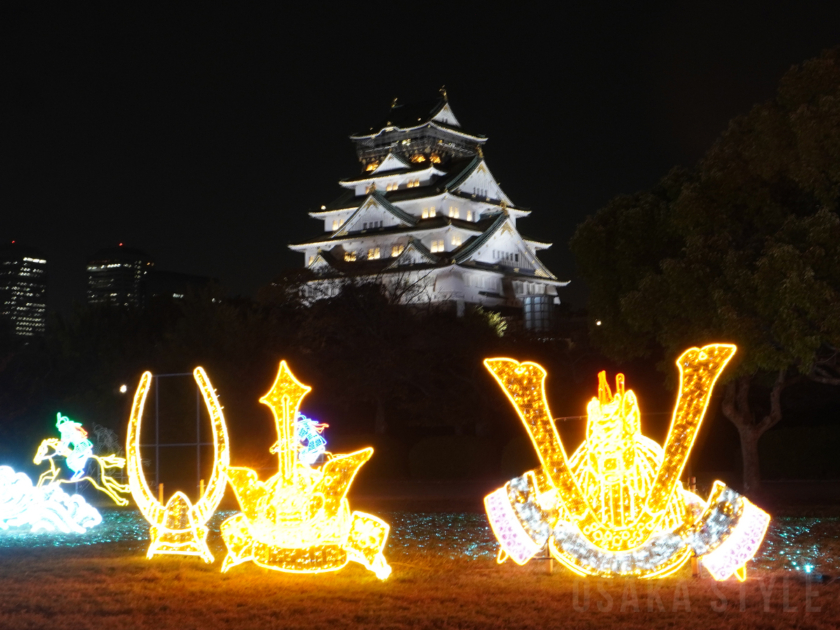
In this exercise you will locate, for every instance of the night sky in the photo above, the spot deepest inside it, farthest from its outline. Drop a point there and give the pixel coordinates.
(204, 138)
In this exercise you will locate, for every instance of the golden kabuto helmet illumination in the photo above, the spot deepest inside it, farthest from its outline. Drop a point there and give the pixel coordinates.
(299, 520)
(616, 507)
(179, 526)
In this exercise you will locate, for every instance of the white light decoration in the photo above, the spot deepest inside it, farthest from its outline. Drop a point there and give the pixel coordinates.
(45, 506)
(311, 444)
(616, 507)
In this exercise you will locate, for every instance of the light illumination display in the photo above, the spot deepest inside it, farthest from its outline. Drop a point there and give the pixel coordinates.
(178, 527)
(77, 449)
(311, 444)
(45, 506)
(616, 507)
(299, 520)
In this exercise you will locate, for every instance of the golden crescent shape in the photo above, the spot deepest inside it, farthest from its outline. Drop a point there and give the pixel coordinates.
(524, 385)
(209, 501)
(699, 369)
(149, 506)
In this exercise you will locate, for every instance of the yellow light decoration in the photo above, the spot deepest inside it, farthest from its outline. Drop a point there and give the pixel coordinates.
(179, 527)
(299, 520)
(616, 507)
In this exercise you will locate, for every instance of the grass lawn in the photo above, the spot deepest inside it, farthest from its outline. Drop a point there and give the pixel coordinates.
(444, 576)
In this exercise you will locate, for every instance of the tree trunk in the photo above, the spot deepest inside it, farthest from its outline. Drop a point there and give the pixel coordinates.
(749, 459)
(736, 407)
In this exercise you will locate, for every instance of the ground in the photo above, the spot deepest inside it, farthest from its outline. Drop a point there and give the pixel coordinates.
(112, 585)
(444, 576)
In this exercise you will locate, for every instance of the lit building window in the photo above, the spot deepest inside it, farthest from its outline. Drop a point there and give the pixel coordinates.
(350, 256)
(390, 187)
(396, 250)
(469, 215)
(373, 253)
(418, 157)
(311, 259)
(371, 166)
(336, 223)
(453, 212)
(435, 158)
(437, 246)
(413, 183)
(456, 240)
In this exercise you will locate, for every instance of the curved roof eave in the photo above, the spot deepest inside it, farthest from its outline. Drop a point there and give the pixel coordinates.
(441, 126)
(375, 176)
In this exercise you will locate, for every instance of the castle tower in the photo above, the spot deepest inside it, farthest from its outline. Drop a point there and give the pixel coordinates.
(426, 213)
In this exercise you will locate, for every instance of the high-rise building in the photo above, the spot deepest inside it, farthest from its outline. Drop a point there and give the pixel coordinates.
(427, 214)
(117, 276)
(23, 290)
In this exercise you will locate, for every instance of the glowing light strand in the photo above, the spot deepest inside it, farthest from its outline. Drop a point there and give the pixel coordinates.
(311, 444)
(45, 506)
(299, 520)
(77, 450)
(616, 507)
(179, 527)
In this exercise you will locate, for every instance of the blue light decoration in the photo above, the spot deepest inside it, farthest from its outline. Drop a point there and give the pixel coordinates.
(311, 444)
(45, 506)
(75, 446)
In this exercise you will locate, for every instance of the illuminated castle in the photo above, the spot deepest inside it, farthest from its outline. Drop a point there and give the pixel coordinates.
(427, 217)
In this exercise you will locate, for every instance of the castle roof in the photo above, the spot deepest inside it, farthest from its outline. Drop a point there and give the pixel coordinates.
(432, 113)
(457, 173)
(422, 225)
(379, 173)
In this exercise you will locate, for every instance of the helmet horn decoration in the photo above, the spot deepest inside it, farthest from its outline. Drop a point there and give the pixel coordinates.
(179, 527)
